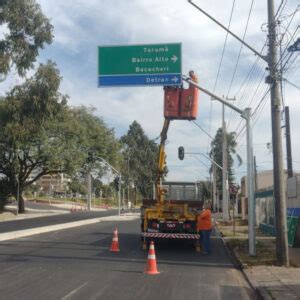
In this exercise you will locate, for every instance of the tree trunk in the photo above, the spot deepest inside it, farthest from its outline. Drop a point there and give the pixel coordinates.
(21, 204)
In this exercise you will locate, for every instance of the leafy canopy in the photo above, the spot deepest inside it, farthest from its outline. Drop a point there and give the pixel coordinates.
(27, 31)
(141, 155)
(42, 135)
(216, 154)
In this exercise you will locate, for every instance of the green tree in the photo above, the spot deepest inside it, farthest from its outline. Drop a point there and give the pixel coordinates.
(26, 31)
(38, 133)
(216, 154)
(206, 186)
(77, 186)
(97, 142)
(42, 135)
(140, 160)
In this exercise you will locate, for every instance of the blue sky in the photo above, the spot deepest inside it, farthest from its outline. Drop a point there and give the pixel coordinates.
(81, 25)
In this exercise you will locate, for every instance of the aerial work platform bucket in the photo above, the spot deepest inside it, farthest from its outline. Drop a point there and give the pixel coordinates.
(180, 103)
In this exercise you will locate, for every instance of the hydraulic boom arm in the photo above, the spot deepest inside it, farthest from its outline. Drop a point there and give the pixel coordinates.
(180, 104)
(161, 161)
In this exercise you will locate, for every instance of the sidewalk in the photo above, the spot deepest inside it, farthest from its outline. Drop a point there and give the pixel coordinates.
(36, 210)
(269, 280)
(10, 213)
(275, 282)
(41, 218)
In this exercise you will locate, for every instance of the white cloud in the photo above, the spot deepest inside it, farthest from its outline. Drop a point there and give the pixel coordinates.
(81, 25)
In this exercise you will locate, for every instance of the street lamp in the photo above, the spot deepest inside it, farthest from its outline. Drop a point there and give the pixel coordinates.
(245, 114)
(119, 182)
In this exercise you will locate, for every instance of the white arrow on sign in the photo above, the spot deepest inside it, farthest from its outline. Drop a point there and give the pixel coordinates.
(174, 58)
(175, 79)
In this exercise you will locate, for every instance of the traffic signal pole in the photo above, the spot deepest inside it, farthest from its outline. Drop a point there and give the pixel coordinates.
(245, 114)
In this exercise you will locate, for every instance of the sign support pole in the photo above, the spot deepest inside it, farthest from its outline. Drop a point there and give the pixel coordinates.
(245, 114)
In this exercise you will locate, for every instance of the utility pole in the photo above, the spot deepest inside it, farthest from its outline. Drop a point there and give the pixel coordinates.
(128, 180)
(123, 197)
(211, 191)
(250, 184)
(224, 170)
(89, 188)
(288, 142)
(215, 201)
(119, 194)
(255, 175)
(278, 172)
(100, 198)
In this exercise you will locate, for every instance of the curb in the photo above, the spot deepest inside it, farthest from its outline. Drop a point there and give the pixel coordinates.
(260, 291)
(237, 263)
(44, 229)
(21, 218)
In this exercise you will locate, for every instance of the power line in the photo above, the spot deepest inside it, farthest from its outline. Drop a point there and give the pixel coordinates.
(252, 70)
(278, 13)
(294, 85)
(260, 102)
(259, 87)
(241, 47)
(284, 70)
(203, 130)
(292, 36)
(238, 58)
(292, 70)
(255, 114)
(281, 7)
(283, 57)
(220, 64)
(246, 95)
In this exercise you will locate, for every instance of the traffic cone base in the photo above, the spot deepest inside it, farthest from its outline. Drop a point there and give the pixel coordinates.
(115, 242)
(151, 267)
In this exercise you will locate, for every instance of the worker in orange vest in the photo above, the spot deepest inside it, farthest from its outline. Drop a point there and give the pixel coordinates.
(204, 227)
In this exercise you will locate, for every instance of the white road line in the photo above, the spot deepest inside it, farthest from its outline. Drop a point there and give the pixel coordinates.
(74, 291)
(28, 232)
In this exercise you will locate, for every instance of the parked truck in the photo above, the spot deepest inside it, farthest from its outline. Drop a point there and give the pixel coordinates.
(172, 214)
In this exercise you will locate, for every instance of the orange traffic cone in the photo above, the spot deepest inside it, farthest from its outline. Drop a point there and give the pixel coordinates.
(151, 267)
(115, 242)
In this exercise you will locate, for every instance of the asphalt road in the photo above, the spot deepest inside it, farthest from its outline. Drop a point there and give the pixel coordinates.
(9, 226)
(76, 264)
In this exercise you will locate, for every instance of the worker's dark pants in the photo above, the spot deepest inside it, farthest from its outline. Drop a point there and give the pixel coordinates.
(205, 240)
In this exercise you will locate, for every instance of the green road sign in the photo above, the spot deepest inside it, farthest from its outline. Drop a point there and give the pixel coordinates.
(155, 64)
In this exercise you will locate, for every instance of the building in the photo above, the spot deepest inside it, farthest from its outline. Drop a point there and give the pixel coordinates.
(51, 184)
(264, 182)
(265, 206)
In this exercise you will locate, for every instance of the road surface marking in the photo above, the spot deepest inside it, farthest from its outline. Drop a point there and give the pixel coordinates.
(74, 291)
(32, 231)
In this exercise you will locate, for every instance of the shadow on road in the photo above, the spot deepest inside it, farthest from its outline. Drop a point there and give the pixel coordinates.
(95, 247)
